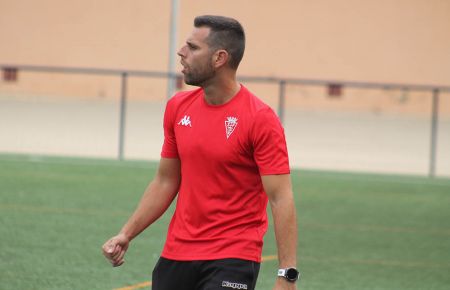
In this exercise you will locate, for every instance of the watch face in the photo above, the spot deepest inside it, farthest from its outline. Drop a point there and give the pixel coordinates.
(291, 274)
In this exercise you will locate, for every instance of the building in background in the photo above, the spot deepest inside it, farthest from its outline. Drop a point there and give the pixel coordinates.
(401, 41)
(327, 126)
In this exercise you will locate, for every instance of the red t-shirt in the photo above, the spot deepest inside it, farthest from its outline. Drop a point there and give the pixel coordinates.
(224, 150)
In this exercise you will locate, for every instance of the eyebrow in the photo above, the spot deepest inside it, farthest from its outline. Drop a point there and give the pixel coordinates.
(190, 43)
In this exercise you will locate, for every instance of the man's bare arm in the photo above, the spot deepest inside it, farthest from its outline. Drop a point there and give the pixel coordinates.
(156, 199)
(281, 198)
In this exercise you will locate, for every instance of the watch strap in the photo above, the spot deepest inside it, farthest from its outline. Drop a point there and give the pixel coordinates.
(281, 272)
(291, 274)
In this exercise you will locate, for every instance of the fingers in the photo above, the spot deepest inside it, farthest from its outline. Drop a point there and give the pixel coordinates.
(109, 248)
(118, 263)
(118, 260)
(114, 252)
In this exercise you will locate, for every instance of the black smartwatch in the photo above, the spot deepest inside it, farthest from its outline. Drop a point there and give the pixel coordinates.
(290, 274)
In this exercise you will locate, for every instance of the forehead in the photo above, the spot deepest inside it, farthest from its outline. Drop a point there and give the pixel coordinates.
(199, 35)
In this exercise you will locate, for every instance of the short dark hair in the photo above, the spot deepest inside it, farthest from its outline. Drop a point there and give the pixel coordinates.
(226, 33)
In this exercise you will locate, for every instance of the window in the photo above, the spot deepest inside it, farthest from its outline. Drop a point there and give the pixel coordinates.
(334, 90)
(10, 74)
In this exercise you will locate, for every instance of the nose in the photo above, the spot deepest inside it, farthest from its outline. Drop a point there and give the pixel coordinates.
(181, 51)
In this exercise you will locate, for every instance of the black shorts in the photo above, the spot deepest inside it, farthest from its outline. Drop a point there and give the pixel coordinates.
(205, 275)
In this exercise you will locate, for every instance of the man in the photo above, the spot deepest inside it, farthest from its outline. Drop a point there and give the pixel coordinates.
(224, 156)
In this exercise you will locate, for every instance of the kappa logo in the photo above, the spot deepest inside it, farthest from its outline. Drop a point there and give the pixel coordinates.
(230, 125)
(232, 285)
(186, 121)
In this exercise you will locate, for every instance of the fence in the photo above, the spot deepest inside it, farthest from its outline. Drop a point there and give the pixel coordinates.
(334, 87)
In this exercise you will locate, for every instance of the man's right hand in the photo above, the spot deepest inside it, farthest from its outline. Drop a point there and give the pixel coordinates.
(114, 249)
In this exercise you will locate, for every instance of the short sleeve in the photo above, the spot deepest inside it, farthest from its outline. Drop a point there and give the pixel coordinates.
(169, 148)
(269, 143)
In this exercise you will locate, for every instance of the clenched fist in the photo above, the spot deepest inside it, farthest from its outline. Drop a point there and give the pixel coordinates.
(114, 249)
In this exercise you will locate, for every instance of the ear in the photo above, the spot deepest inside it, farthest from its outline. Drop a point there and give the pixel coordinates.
(220, 58)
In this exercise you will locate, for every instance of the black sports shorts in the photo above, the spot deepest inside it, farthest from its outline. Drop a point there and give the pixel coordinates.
(205, 275)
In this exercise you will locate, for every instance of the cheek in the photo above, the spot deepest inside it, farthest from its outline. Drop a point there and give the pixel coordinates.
(199, 65)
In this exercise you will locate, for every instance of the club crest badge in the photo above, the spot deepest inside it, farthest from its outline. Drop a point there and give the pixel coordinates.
(230, 125)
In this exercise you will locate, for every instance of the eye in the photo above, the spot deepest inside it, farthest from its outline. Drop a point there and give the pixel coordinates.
(192, 46)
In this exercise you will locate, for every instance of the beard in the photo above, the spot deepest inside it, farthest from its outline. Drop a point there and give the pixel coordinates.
(199, 76)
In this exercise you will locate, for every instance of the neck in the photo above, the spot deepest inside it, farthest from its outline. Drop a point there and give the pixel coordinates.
(220, 93)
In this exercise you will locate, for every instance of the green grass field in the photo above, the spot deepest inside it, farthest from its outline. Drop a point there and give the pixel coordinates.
(356, 231)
